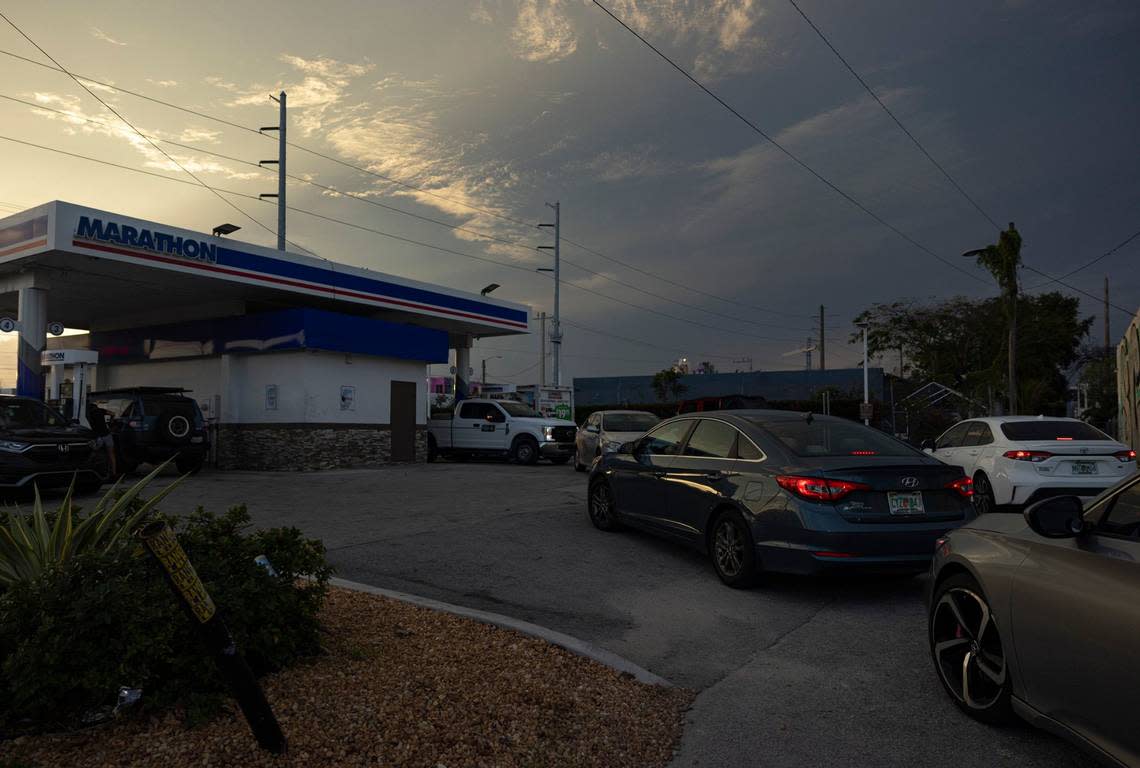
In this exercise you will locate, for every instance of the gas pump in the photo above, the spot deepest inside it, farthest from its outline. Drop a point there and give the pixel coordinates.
(70, 397)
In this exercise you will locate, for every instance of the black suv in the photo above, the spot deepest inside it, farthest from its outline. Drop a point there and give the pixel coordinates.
(38, 446)
(153, 424)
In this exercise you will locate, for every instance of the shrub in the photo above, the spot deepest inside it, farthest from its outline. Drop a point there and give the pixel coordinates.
(105, 619)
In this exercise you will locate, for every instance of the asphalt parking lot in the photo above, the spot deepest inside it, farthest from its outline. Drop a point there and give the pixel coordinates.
(796, 672)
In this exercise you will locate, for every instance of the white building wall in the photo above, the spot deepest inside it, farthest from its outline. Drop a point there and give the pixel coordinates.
(308, 385)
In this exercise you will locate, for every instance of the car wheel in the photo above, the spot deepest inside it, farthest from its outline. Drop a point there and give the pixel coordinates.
(432, 451)
(967, 650)
(600, 505)
(525, 450)
(984, 502)
(732, 551)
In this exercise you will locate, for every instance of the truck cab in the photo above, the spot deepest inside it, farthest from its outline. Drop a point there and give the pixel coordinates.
(502, 428)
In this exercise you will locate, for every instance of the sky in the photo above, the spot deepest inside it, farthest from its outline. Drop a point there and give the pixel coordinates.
(702, 239)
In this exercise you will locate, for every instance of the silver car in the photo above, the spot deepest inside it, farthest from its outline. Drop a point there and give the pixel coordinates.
(1038, 615)
(606, 431)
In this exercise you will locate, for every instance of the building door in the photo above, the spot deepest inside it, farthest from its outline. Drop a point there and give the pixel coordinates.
(403, 409)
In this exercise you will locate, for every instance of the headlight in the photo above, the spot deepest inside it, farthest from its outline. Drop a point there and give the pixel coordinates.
(548, 433)
(611, 446)
(12, 446)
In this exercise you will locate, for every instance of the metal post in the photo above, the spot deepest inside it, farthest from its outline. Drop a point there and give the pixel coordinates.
(1106, 326)
(542, 351)
(280, 163)
(866, 381)
(463, 370)
(556, 326)
(822, 342)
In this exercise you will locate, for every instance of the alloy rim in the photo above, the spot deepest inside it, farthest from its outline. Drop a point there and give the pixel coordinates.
(729, 549)
(983, 497)
(967, 649)
(600, 504)
(524, 452)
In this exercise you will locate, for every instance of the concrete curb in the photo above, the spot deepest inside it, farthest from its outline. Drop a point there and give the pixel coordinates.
(572, 644)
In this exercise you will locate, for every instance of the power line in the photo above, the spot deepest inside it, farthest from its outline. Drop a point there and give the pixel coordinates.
(1104, 255)
(788, 153)
(391, 180)
(1129, 312)
(893, 117)
(128, 123)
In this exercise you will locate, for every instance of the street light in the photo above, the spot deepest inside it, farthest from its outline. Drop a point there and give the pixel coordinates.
(866, 388)
(489, 288)
(225, 229)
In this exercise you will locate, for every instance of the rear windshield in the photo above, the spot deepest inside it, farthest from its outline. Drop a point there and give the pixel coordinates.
(629, 422)
(1052, 430)
(518, 409)
(28, 414)
(833, 438)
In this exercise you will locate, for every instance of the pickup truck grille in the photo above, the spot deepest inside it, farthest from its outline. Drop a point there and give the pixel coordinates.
(565, 434)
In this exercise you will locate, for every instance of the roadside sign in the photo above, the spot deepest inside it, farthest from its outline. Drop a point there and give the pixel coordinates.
(866, 411)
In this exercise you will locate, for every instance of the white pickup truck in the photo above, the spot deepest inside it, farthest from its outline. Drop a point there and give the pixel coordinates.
(500, 428)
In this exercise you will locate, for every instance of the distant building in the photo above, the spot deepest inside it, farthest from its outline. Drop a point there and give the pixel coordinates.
(1128, 385)
(773, 386)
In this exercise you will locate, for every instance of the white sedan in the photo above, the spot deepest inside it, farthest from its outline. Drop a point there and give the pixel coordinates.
(605, 431)
(1021, 459)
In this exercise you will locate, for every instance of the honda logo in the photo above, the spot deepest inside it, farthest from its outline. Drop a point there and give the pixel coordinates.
(63, 448)
(910, 482)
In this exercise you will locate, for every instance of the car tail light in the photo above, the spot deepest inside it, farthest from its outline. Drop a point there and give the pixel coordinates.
(834, 554)
(963, 485)
(1125, 455)
(1034, 456)
(863, 453)
(819, 489)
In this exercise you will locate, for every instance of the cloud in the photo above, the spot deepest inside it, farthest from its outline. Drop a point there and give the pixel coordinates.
(480, 14)
(542, 32)
(99, 34)
(623, 165)
(163, 83)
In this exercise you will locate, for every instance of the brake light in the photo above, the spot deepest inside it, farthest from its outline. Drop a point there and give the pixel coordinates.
(1063, 438)
(834, 554)
(1125, 455)
(819, 489)
(963, 485)
(1034, 456)
(863, 453)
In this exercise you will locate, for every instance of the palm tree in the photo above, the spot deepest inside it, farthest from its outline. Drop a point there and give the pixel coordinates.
(1003, 261)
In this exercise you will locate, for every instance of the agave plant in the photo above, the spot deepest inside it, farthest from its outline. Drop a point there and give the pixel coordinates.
(28, 546)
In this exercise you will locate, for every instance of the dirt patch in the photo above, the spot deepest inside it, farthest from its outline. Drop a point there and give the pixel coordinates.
(406, 686)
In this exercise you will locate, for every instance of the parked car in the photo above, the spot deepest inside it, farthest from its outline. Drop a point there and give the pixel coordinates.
(503, 428)
(154, 424)
(1022, 459)
(781, 491)
(606, 431)
(39, 447)
(1037, 615)
(724, 403)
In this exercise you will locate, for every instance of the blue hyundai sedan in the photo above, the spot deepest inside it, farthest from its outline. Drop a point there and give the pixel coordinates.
(765, 490)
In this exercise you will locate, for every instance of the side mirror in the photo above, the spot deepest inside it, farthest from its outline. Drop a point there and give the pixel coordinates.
(1060, 517)
(928, 445)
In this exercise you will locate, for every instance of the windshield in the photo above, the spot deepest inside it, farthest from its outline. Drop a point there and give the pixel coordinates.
(518, 409)
(628, 422)
(1052, 430)
(28, 414)
(821, 437)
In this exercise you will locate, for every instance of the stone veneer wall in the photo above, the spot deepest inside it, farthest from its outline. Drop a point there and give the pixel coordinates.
(293, 447)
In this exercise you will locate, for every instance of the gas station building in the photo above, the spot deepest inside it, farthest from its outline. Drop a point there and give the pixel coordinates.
(298, 362)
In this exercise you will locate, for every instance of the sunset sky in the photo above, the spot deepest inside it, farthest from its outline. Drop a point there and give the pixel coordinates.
(482, 110)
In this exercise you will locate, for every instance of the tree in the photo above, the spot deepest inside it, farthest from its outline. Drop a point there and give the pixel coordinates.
(1003, 261)
(953, 342)
(667, 384)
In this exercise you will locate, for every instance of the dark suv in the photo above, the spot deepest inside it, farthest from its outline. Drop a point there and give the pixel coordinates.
(38, 446)
(153, 424)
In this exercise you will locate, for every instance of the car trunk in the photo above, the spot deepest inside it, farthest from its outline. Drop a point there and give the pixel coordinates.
(1075, 458)
(899, 491)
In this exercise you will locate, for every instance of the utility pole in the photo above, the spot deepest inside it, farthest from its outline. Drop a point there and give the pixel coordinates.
(556, 326)
(1107, 335)
(542, 351)
(807, 354)
(822, 342)
(280, 163)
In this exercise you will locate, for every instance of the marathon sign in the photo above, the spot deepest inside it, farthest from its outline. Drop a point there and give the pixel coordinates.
(137, 237)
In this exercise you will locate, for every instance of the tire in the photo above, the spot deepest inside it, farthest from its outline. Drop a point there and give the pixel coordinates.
(174, 428)
(525, 450)
(732, 550)
(432, 449)
(190, 465)
(984, 502)
(601, 507)
(967, 650)
(559, 459)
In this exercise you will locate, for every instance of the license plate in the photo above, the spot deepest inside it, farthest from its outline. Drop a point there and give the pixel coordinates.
(1084, 468)
(905, 503)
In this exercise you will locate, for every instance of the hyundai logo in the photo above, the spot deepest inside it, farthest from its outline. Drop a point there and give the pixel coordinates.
(910, 482)
(63, 448)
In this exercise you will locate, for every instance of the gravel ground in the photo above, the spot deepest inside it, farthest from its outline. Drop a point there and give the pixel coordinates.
(405, 686)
